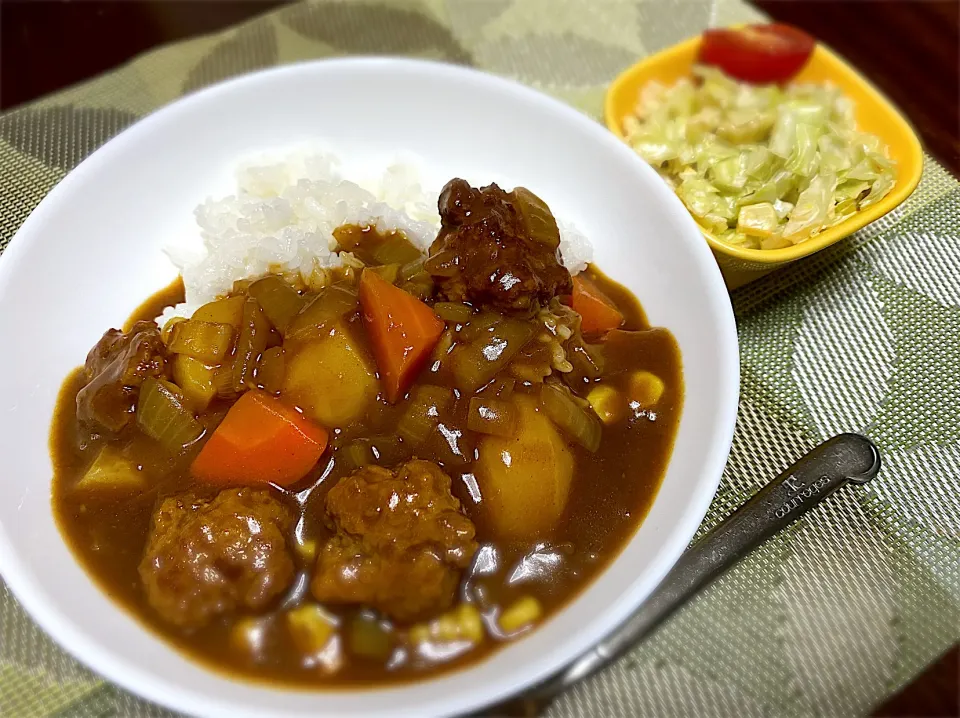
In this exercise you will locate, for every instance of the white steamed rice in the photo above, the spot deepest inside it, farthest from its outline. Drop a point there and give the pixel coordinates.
(283, 215)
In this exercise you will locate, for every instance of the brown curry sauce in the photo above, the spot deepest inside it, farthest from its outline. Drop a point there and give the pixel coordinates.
(612, 492)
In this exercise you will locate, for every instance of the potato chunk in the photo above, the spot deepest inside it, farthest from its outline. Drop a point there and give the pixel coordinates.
(331, 379)
(525, 480)
(112, 471)
(222, 311)
(196, 379)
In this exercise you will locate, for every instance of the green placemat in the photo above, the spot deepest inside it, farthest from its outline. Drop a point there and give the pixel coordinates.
(827, 619)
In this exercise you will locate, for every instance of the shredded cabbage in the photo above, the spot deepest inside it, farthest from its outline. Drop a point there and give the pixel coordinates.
(759, 166)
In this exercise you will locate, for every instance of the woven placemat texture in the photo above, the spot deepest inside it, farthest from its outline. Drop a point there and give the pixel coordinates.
(827, 619)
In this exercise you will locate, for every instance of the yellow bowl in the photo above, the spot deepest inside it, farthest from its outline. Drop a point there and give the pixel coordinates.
(874, 114)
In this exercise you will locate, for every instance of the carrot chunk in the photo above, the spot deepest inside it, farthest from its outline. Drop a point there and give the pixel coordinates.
(597, 312)
(403, 331)
(260, 440)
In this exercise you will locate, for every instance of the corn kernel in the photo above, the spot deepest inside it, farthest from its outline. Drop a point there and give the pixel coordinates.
(645, 388)
(461, 624)
(608, 403)
(471, 625)
(310, 627)
(247, 635)
(306, 549)
(447, 627)
(522, 613)
(420, 633)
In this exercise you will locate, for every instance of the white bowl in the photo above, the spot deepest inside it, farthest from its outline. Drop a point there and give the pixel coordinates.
(91, 252)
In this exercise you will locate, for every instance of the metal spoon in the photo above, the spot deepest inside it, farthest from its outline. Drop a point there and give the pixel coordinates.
(832, 464)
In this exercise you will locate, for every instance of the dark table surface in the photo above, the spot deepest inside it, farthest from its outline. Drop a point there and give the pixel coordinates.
(910, 49)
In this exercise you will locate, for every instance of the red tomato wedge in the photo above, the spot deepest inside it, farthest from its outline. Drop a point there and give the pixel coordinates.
(402, 329)
(757, 53)
(260, 440)
(597, 312)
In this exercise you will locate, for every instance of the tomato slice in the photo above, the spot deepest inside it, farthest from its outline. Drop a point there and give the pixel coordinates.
(757, 53)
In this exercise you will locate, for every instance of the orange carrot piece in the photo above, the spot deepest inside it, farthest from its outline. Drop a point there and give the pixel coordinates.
(260, 440)
(402, 329)
(597, 312)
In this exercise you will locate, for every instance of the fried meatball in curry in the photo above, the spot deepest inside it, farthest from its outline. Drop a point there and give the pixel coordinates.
(401, 542)
(207, 557)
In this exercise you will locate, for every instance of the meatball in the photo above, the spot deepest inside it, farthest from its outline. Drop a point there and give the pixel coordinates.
(115, 369)
(401, 542)
(207, 557)
(497, 249)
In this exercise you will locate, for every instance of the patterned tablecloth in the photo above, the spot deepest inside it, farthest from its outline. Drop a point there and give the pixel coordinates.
(829, 618)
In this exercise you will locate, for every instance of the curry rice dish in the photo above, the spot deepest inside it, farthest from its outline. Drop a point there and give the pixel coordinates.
(383, 470)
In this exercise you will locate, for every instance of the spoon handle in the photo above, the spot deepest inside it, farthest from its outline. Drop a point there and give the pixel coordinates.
(842, 459)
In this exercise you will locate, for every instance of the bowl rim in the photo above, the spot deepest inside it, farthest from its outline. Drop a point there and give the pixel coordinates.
(902, 190)
(83, 645)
